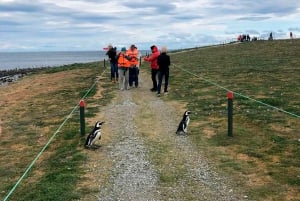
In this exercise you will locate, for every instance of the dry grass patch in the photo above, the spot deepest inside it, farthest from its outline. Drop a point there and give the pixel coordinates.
(33, 108)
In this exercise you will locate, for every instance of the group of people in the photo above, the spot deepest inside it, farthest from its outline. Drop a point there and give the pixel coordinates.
(243, 38)
(125, 67)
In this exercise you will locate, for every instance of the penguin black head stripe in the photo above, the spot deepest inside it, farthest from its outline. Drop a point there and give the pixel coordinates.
(182, 127)
(94, 135)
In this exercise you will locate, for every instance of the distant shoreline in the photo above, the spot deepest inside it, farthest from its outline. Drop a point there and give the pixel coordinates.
(12, 75)
(20, 60)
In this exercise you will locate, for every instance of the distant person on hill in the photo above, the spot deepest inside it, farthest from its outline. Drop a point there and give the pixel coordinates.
(112, 56)
(154, 67)
(123, 66)
(244, 38)
(248, 37)
(133, 53)
(163, 61)
(271, 36)
(291, 35)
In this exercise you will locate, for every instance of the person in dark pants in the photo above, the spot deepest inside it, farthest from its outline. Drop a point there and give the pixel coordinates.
(163, 61)
(154, 67)
(112, 56)
(133, 53)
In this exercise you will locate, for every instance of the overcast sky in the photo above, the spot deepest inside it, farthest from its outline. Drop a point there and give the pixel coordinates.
(48, 25)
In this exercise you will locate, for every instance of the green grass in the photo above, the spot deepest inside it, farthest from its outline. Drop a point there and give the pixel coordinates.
(264, 145)
(267, 71)
(55, 174)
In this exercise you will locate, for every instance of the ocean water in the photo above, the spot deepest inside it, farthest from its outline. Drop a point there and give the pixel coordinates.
(13, 60)
(20, 60)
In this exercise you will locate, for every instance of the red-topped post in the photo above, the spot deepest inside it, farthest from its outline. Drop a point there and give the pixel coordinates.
(230, 113)
(82, 118)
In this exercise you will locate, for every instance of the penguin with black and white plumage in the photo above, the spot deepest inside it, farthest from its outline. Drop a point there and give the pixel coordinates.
(94, 135)
(183, 125)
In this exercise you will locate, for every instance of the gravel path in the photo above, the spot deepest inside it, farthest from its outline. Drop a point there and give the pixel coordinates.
(133, 176)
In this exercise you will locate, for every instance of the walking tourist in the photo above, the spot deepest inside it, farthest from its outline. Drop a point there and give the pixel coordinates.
(153, 64)
(163, 61)
(112, 54)
(123, 67)
(133, 53)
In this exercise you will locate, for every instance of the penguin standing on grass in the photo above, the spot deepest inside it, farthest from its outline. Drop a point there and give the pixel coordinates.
(182, 127)
(94, 135)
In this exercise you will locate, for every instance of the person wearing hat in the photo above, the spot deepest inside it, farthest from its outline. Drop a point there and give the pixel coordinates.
(112, 56)
(133, 53)
(123, 68)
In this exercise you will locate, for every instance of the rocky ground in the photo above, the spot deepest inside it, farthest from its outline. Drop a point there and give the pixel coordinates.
(8, 76)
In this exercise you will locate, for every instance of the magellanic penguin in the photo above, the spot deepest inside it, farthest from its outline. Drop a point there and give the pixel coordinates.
(94, 135)
(182, 127)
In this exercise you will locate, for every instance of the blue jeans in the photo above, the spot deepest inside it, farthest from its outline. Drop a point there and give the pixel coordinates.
(161, 75)
(134, 76)
(114, 71)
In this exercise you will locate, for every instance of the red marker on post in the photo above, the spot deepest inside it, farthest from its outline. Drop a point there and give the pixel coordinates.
(82, 118)
(230, 113)
(230, 95)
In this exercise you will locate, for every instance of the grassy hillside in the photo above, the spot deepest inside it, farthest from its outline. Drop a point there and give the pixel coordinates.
(263, 154)
(32, 112)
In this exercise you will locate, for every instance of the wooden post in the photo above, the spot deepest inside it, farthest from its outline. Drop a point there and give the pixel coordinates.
(230, 113)
(82, 118)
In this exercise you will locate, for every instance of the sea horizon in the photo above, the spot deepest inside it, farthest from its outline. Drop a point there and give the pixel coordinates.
(39, 59)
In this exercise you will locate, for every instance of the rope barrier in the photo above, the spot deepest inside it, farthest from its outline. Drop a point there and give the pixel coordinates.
(85, 95)
(238, 94)
(50, 140)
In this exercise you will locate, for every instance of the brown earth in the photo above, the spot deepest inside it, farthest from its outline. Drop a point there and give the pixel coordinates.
(127, 165)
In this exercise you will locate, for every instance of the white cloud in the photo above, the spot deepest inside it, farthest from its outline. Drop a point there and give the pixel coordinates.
(92, 24)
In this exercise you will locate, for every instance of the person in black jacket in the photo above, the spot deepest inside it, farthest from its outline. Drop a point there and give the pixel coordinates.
(112, 56)
(163, 61)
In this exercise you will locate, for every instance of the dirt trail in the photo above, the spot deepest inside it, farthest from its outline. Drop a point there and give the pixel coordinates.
(133, 177)
(133, 119)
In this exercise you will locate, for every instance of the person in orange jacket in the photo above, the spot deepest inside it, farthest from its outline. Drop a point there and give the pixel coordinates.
(153, 64)
(133, 53)
(123, 69)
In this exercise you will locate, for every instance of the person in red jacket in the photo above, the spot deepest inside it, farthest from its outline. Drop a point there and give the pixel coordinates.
(154, 66)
